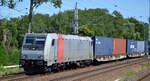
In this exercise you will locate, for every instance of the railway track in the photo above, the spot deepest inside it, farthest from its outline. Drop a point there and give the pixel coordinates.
(144, 78)
(92, 73)
(12, 76)
(143, 75)
(100, 73)
(111, 67)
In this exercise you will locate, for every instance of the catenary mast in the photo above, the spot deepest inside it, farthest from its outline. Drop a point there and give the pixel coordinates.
(75, 20)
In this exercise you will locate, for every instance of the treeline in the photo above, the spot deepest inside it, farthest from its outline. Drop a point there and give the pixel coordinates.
(92, 22)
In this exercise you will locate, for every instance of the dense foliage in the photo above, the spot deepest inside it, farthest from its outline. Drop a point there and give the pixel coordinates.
(92, 22)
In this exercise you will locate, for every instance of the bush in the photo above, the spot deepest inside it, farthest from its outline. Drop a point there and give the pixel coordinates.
(3, 56)
(13, 57)
(9, 57)
(4, 72)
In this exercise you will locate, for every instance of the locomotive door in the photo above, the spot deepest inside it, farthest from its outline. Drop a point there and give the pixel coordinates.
(53, 49)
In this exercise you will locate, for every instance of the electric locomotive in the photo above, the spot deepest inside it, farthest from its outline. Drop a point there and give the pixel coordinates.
(50, 51)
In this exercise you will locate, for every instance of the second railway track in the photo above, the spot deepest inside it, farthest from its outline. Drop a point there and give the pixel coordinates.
(98, 71)
(101, 69)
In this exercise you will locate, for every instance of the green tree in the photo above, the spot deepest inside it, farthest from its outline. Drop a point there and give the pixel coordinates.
(140, 29)
(117, 14)
(92, 22)
(33, 4)
(85, 31)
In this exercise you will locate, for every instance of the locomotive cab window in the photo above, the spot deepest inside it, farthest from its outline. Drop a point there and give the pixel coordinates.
(34, 43)
(29, 40)
(40, 42)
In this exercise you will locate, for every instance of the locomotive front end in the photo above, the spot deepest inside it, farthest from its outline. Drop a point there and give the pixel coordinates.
(32, 57)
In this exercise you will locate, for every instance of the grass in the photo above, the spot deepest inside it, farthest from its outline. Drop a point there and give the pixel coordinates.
(146, 66)
(132, 73)
(5, 72)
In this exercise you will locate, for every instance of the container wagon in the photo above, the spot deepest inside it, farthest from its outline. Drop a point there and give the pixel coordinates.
(135, 48)
(102, 48)
(140, 48)
(132, 48)
(119, 48)
(106, 49)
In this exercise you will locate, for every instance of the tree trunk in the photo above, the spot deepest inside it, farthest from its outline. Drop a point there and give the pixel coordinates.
(30, 16)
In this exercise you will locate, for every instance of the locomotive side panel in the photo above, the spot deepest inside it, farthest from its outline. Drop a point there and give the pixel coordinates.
(60, 52)
(50, 49)
(77, 49)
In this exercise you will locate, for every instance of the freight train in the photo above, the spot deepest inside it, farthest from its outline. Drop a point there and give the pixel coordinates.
(50, 51)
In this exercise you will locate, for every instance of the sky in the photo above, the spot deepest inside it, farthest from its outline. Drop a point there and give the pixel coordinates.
(138, 9)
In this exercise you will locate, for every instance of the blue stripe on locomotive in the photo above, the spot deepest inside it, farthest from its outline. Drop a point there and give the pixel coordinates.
(102, 46)
(131, 46)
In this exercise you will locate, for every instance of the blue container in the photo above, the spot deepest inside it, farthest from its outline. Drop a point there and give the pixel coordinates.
(140, 46)
(146, 46)
(131, 46)
(102, 46)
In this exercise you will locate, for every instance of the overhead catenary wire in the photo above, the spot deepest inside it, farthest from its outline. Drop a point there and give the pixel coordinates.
(118, 8)
(83, 4)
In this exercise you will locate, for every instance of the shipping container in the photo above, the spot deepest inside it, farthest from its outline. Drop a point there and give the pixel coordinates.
(140, 46)
(119, 46)
(131, 46)
(102, 46)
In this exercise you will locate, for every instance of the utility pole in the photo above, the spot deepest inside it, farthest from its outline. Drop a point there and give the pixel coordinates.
(30, 16)
(60, 19)
(75, 20)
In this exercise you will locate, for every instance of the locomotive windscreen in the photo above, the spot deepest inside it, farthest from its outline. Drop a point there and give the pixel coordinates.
(34, 43)
(29, 41)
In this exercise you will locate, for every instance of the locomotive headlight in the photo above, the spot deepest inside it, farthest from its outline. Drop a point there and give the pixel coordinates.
(24, 56)
(22, 62)
(40, 62)
(40, 57)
